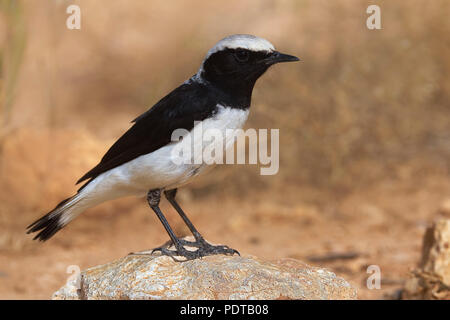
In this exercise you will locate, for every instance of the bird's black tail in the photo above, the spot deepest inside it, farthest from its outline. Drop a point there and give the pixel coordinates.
(56, 219)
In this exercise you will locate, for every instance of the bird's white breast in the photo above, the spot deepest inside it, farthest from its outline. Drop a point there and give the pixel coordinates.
(158, 168)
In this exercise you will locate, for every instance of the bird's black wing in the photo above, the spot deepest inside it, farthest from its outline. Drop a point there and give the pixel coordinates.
(153, 129)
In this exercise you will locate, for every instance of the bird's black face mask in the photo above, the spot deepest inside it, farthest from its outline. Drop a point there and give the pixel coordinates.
(235, 71)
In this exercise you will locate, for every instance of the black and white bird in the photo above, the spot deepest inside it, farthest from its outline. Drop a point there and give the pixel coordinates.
(140, 163)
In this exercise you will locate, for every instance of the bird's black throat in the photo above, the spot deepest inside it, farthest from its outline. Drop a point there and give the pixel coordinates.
(233, 80)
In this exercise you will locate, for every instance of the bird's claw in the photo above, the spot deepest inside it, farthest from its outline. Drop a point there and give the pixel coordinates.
(204, 249)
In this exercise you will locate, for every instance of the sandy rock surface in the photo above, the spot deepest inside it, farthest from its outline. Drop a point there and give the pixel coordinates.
(431, 280)
(212, 277)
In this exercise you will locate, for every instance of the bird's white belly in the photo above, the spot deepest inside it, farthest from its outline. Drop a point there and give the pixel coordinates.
(159, 169)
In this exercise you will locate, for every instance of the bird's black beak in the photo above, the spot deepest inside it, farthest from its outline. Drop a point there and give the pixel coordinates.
(277, 57)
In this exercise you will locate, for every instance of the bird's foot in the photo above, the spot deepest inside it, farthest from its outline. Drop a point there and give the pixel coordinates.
(204, 249)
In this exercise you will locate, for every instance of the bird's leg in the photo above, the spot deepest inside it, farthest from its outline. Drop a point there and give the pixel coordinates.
(204, 247)
(153, 198)
(170, 195)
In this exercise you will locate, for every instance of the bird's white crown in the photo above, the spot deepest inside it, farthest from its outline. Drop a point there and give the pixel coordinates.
(241, 41)
(236, 41)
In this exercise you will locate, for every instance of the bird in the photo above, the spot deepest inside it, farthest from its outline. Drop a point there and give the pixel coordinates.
(141, 162)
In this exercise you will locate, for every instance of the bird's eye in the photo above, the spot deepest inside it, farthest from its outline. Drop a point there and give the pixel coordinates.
(241, 55)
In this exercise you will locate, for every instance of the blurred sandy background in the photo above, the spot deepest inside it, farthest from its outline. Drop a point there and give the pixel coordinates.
(364, 132)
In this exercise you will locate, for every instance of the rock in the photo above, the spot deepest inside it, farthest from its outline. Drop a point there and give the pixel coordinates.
(431, 280)
(212, 277)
